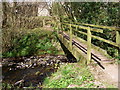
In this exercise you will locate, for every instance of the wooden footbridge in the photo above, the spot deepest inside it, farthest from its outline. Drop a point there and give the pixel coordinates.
(83, 50)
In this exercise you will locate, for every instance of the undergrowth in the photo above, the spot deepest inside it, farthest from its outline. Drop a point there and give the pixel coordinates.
(31, 42)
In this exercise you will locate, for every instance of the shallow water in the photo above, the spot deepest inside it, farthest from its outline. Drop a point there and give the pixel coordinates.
(32, 76)
(29, 75)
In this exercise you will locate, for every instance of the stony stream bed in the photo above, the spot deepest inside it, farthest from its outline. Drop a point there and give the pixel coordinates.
(30, 71)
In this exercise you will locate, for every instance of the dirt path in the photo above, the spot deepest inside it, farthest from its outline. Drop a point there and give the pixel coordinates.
(108, 76)
(48, 27)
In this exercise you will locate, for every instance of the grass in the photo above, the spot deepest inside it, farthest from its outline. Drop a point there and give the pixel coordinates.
(70, 74)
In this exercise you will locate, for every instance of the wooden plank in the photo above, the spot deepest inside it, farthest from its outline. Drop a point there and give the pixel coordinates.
(54, 24)
(88, 46)
(83, 27)
(70, 37)
(99, 26)
(92, 29)
(43, 22)
(59, 25)
(81, 32)
(105, 27)
(80, 56)
(118, 38)
(118, 42)
(62, 26)
(76, 29)
(57, 29)
(104, 40)
(99, 38)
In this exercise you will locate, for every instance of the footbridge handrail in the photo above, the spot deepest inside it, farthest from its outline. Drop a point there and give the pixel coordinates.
(97, 26)
(86, 29)
(96, 30)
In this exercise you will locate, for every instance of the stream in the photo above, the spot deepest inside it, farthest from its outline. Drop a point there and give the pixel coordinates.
(25, 72)
(30, 71)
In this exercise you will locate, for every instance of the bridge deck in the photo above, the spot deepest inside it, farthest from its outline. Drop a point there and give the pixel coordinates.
(95, 54)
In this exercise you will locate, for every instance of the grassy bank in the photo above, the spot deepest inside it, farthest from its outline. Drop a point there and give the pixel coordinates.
(31, 42)
(71, 75)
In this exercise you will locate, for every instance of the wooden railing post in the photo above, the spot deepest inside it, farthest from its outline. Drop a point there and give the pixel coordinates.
(60, 25)
(57, 24)
(118, 42)
(54, 23)
(70, 44)
(88, 46)
(76, 30)
(62, 28)
(43, 22)
(57, 28)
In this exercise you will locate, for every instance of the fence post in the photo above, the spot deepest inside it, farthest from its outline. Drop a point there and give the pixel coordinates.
(62, 28)
(61, 25)
(88, 46)
(57, 23)
(43, 22)
(118, 42)
(70, 33)
(76, 30)
(58, 27)
(54, 23)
